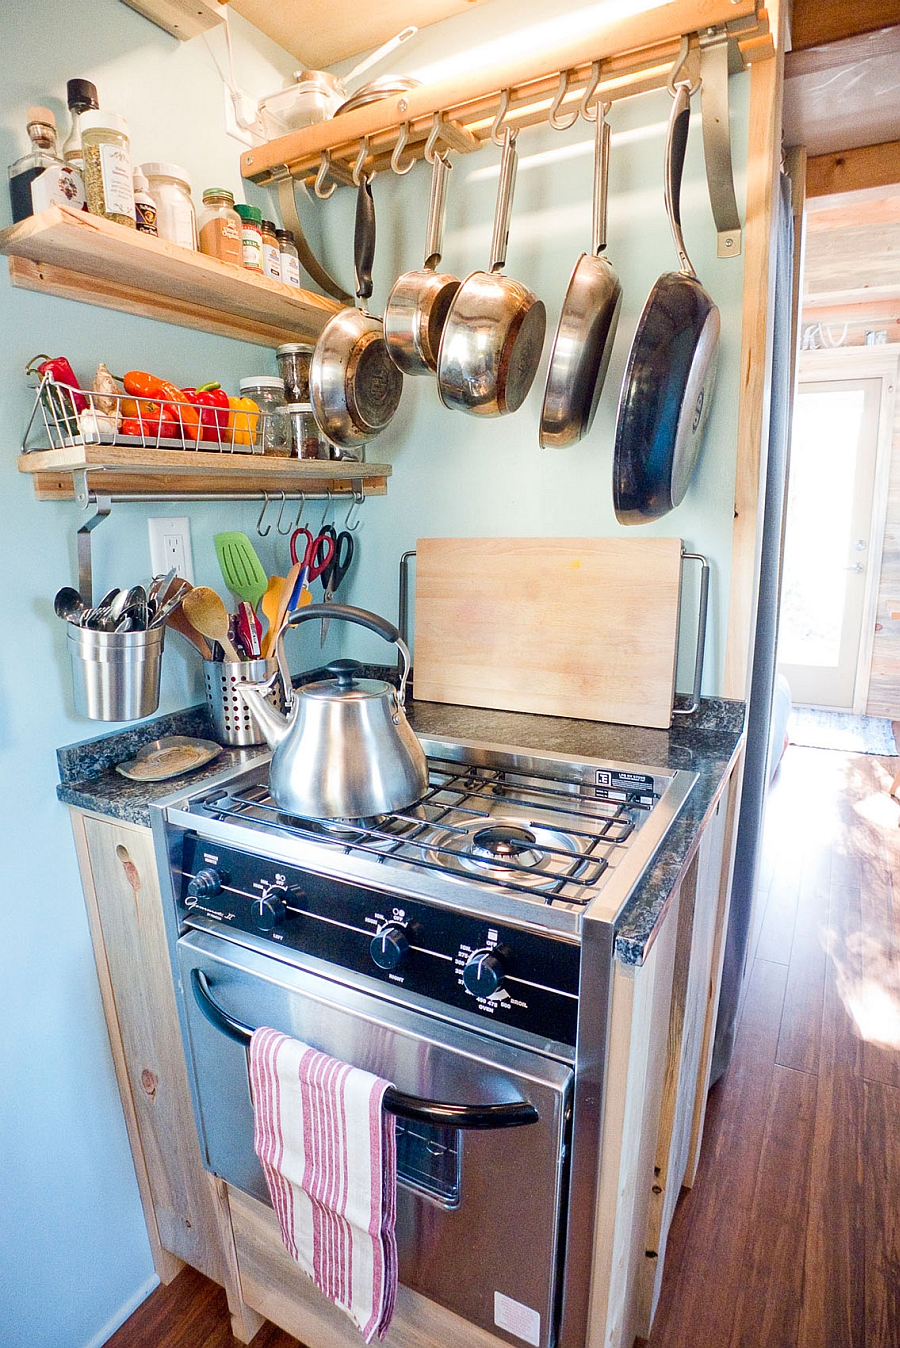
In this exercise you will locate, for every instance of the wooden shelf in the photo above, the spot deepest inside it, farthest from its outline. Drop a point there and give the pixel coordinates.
(83, 257)
(184, 19)
(116, 471)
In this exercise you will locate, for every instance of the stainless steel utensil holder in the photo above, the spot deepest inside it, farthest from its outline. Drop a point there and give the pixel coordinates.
(115, 674)
(233, 721)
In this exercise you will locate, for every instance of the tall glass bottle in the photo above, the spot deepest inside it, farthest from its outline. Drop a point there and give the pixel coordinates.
(81, 96)
(41, 178)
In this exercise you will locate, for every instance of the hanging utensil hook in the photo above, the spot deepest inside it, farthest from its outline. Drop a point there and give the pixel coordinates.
(299, 520)
(590, 114)
(435, 136)
(502, 110)
(360, 164)
(259, 529)
(329, 506)
(553, 115)
(278, 528)
(402, 142)
(679, 65)
(356, 505)
(322, 175)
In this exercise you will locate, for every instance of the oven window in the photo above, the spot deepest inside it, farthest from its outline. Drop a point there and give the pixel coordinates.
(428, 1160)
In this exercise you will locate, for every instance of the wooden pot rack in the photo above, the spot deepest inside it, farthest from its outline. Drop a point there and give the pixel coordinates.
(623, 58)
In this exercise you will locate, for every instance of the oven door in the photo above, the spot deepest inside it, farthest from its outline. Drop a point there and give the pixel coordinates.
(479, 1207)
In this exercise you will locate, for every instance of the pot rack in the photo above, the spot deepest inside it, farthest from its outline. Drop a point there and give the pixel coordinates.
(699, 40)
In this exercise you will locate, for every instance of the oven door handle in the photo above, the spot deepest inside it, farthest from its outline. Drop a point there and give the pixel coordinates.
(438, 1113)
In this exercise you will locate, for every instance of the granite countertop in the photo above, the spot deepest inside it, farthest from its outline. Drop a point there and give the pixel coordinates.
(705, 743)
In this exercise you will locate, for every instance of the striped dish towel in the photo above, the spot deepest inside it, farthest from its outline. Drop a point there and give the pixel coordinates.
(329, 1154)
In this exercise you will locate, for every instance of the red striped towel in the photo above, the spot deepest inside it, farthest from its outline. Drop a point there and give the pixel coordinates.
(329, 1154)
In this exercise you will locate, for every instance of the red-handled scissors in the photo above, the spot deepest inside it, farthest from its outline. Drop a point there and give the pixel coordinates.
(317, 553)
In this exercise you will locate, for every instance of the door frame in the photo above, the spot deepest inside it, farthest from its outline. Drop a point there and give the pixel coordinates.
(865, 362)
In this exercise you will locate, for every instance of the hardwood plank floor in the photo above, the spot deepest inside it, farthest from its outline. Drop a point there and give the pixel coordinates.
(790, 1237)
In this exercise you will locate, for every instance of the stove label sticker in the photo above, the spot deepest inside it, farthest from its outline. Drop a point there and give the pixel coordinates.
(517, 1319)
(210, 859)
(623, 779)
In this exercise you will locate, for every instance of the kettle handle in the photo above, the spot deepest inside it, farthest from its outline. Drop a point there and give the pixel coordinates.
(363, 618)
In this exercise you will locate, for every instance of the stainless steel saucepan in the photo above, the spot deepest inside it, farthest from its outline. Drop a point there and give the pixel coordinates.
(492, 339)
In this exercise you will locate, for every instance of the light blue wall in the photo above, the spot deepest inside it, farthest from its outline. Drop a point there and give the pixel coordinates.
(73, 1250)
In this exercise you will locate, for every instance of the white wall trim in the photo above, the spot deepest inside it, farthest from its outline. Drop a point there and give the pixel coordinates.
(125, 1310)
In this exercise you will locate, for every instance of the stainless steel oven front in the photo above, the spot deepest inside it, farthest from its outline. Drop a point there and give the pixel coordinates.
(481, 1209)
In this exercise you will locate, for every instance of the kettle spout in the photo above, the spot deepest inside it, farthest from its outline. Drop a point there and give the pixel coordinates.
(272, 723)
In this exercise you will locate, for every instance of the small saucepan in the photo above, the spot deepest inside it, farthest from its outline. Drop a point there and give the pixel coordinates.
(418, 305)
(354, 385)
(492, 339)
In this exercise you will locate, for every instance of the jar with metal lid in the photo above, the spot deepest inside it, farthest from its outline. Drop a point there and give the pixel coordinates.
(251, 236)
(306, 438)
(293, 365)
(267, 392)
(108, 185)
(271, 259)
(170, 188)
(289, 257)
(220, 226)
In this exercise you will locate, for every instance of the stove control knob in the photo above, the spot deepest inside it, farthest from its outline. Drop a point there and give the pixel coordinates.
(483, 974)
(270, 909)
(389, 946)
(204, 885)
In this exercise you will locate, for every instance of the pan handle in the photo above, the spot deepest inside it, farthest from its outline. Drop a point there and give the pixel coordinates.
(364, 238)
(676, 144)
(434, 233)
(703, 610)
(508, 165)
(601, 181)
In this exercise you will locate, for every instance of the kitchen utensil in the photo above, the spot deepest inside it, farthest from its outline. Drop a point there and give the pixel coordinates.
(168, 606)
(208, 614)
(171, 756)
(494, 332)
(587, 325)
(347, 750)
(287, 589)
(581, 627)
(386, 86)
(337, 568)
(354, 385)
(130, 614)
(249, 629)
(269, 605)
(418, 305)
(115, 675)
(669, 379)
(179, 620)
(68, 604)
(242, 571)
(232, 720)
(159, 586)
(316, 555)
(380, 53)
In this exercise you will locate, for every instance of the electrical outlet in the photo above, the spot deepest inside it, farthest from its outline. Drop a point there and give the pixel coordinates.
(170, 545)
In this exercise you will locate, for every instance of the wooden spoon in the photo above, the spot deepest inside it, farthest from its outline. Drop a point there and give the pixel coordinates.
(269, 605)
(209, 615)
(284, 600)
(182, 623)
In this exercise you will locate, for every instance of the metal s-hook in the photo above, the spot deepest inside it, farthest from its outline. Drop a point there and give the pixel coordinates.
(553, 116)
(590, 89)
(497, 128)
(290, 529)
(329, 505)
(259, 529)
(360, 164)
(402, 142)
(356, 505)
(435, 135)
(322, 175)
(299, 520)
(680, 62)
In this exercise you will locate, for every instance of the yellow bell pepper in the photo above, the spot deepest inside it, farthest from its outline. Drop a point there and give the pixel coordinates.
(243, 414)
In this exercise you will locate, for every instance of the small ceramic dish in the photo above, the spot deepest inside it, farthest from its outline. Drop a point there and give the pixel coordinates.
(169, 757)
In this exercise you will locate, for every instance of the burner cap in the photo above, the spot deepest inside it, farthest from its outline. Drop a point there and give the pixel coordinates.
(503, 842)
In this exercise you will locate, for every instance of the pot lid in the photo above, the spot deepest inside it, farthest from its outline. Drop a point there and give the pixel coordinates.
(345, 687)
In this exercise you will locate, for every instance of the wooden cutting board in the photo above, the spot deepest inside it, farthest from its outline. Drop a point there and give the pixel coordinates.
(583, 627)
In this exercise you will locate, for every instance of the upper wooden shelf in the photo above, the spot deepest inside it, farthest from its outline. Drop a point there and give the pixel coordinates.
(83, 257)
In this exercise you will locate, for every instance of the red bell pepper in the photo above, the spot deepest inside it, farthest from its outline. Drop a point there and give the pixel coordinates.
(212, 402)
(62, 404)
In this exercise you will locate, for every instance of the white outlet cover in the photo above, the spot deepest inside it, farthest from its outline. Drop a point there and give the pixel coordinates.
(170, 545)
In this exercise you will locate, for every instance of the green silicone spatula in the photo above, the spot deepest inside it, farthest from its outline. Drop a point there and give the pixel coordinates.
(242, 570)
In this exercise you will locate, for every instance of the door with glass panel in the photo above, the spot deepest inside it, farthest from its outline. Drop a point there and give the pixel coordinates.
(834, 447)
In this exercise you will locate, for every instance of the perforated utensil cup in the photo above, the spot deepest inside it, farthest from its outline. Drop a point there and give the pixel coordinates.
(233, 721)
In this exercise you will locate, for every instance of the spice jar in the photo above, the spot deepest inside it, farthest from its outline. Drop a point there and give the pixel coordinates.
(251, 236)
(306, 439)
(107, 166)
(271, 259)
(293, 365)
(275, 428)
(144, 205)
(220, 227)
(289, 257)
(170, 188)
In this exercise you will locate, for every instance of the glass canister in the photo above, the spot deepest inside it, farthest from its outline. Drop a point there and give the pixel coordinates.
(306, 438)
(251, 236)
(289, 257)
(293, 365)
(108, 185)
(220, 227)
(267, 392)
(271, 257)
(170, 187)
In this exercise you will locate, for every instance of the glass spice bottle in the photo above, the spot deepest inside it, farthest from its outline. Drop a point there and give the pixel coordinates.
(289, 257)
(108, 183)
(270, 256)
(251, 236)
(144, 206)
(220, 227)
(40, 178)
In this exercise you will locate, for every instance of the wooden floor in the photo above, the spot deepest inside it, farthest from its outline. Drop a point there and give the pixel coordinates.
(791, 1236)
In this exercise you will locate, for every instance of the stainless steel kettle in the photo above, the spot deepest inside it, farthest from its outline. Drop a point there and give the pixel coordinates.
(346, 750)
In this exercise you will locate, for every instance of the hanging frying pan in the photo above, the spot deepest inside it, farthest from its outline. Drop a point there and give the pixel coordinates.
(587, 324)
(671, 370)
(420, 300)
(494, 332)
(354, 385)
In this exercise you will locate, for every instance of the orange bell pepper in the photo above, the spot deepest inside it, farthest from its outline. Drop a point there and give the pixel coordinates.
(140, 384)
